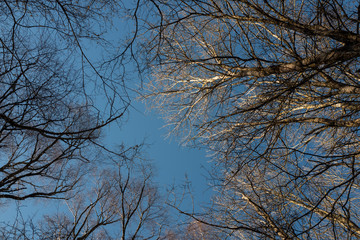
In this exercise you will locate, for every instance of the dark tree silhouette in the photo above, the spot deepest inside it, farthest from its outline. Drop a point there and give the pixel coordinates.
(48, 115)
(62, 80)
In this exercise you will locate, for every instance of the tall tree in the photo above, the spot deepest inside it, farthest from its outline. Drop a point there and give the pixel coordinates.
(119, 201)
(271, 88)
(49, 115)
(61, 83)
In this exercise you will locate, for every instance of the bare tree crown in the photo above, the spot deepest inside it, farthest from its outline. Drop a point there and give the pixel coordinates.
(271, 89)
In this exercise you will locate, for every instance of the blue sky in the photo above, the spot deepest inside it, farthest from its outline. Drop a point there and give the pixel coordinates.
(173, 163)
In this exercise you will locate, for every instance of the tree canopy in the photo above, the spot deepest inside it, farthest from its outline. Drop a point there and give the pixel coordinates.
(271, 89)
(61, 83)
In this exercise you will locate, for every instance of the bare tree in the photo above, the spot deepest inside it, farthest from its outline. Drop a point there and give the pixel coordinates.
(119, 201)
(271, 89)
(61, 83)
(122, 204)
(49, 115)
